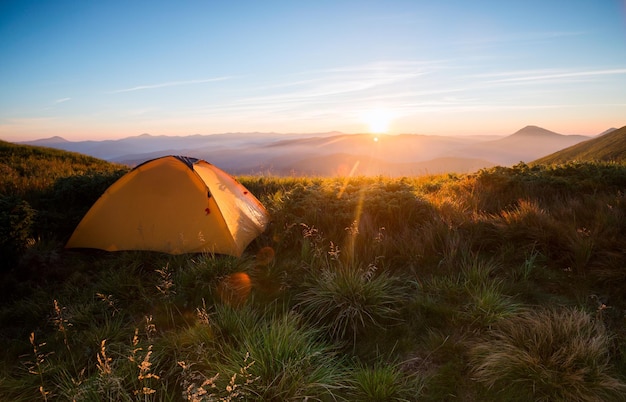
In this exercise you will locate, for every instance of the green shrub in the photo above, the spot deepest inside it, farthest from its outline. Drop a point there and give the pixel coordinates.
(16, 219)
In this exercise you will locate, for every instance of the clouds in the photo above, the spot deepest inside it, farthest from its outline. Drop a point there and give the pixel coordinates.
(336, 97)
(345, 89)
(168, 84)
(553, 75)
(415, 86)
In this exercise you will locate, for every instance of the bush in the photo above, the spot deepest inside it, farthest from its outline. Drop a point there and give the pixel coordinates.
(16, 219)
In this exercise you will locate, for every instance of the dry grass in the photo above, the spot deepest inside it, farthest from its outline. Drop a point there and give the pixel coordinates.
(547, 355)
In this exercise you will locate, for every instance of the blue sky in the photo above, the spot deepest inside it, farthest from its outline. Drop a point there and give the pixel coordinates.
(108, 69)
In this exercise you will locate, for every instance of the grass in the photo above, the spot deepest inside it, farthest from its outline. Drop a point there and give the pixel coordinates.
(384, 381)
(290, 361)
(348, 300)
(547, 355)
(425, 288)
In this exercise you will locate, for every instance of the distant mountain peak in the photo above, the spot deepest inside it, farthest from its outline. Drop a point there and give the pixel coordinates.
(52, 140)
(533, 131)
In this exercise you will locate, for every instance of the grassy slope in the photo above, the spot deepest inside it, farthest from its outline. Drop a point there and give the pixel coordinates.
(423, 288)
(60, 186)
(610, 147)
(26, 168)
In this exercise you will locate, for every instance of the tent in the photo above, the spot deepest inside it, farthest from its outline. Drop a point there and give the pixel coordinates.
(175, 205)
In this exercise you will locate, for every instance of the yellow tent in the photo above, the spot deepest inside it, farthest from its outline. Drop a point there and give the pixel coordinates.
(175, 205)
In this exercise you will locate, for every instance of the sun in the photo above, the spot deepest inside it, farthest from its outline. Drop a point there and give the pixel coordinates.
(377, 120)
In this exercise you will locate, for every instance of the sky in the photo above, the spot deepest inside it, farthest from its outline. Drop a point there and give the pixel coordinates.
(93, 70)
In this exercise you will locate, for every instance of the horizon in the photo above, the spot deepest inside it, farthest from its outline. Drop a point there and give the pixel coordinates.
(312, 134)
(106, 71)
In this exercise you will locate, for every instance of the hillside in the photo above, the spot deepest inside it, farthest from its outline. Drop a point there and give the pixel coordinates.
(610, 147)
(365, 288)
(50, 187)
(26, 168)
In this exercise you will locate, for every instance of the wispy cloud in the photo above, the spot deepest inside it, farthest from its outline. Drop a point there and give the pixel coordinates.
(169, 84)
(341, 90)
(507, 38)
(328, 85)
(56, 102)
(543, 76)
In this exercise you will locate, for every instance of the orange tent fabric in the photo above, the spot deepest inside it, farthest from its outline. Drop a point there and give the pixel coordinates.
(174, 205)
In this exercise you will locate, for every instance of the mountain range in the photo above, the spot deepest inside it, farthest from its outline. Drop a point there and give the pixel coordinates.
(332, 153)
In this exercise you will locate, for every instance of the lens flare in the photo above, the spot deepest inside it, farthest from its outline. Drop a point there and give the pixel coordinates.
(235, 289)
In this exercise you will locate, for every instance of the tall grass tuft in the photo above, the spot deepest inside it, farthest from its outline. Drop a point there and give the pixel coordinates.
(231, 324)
(39, 365)
(547, 355)
(474, 298)
(107, 384)
(348, 300)
(145, 375)
(384, 381)
(197, 387)
(290, 362)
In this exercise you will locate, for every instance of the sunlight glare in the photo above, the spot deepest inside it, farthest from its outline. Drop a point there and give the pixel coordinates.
(378, 120)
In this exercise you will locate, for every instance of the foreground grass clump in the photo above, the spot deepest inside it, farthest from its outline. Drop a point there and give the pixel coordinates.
(376, 289)
(262, 358)
(348, 300)
(547, 355)
(472, 298)
(384, 381)
(290, 363)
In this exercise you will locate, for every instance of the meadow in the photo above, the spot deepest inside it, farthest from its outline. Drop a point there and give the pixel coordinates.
(505, 284)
